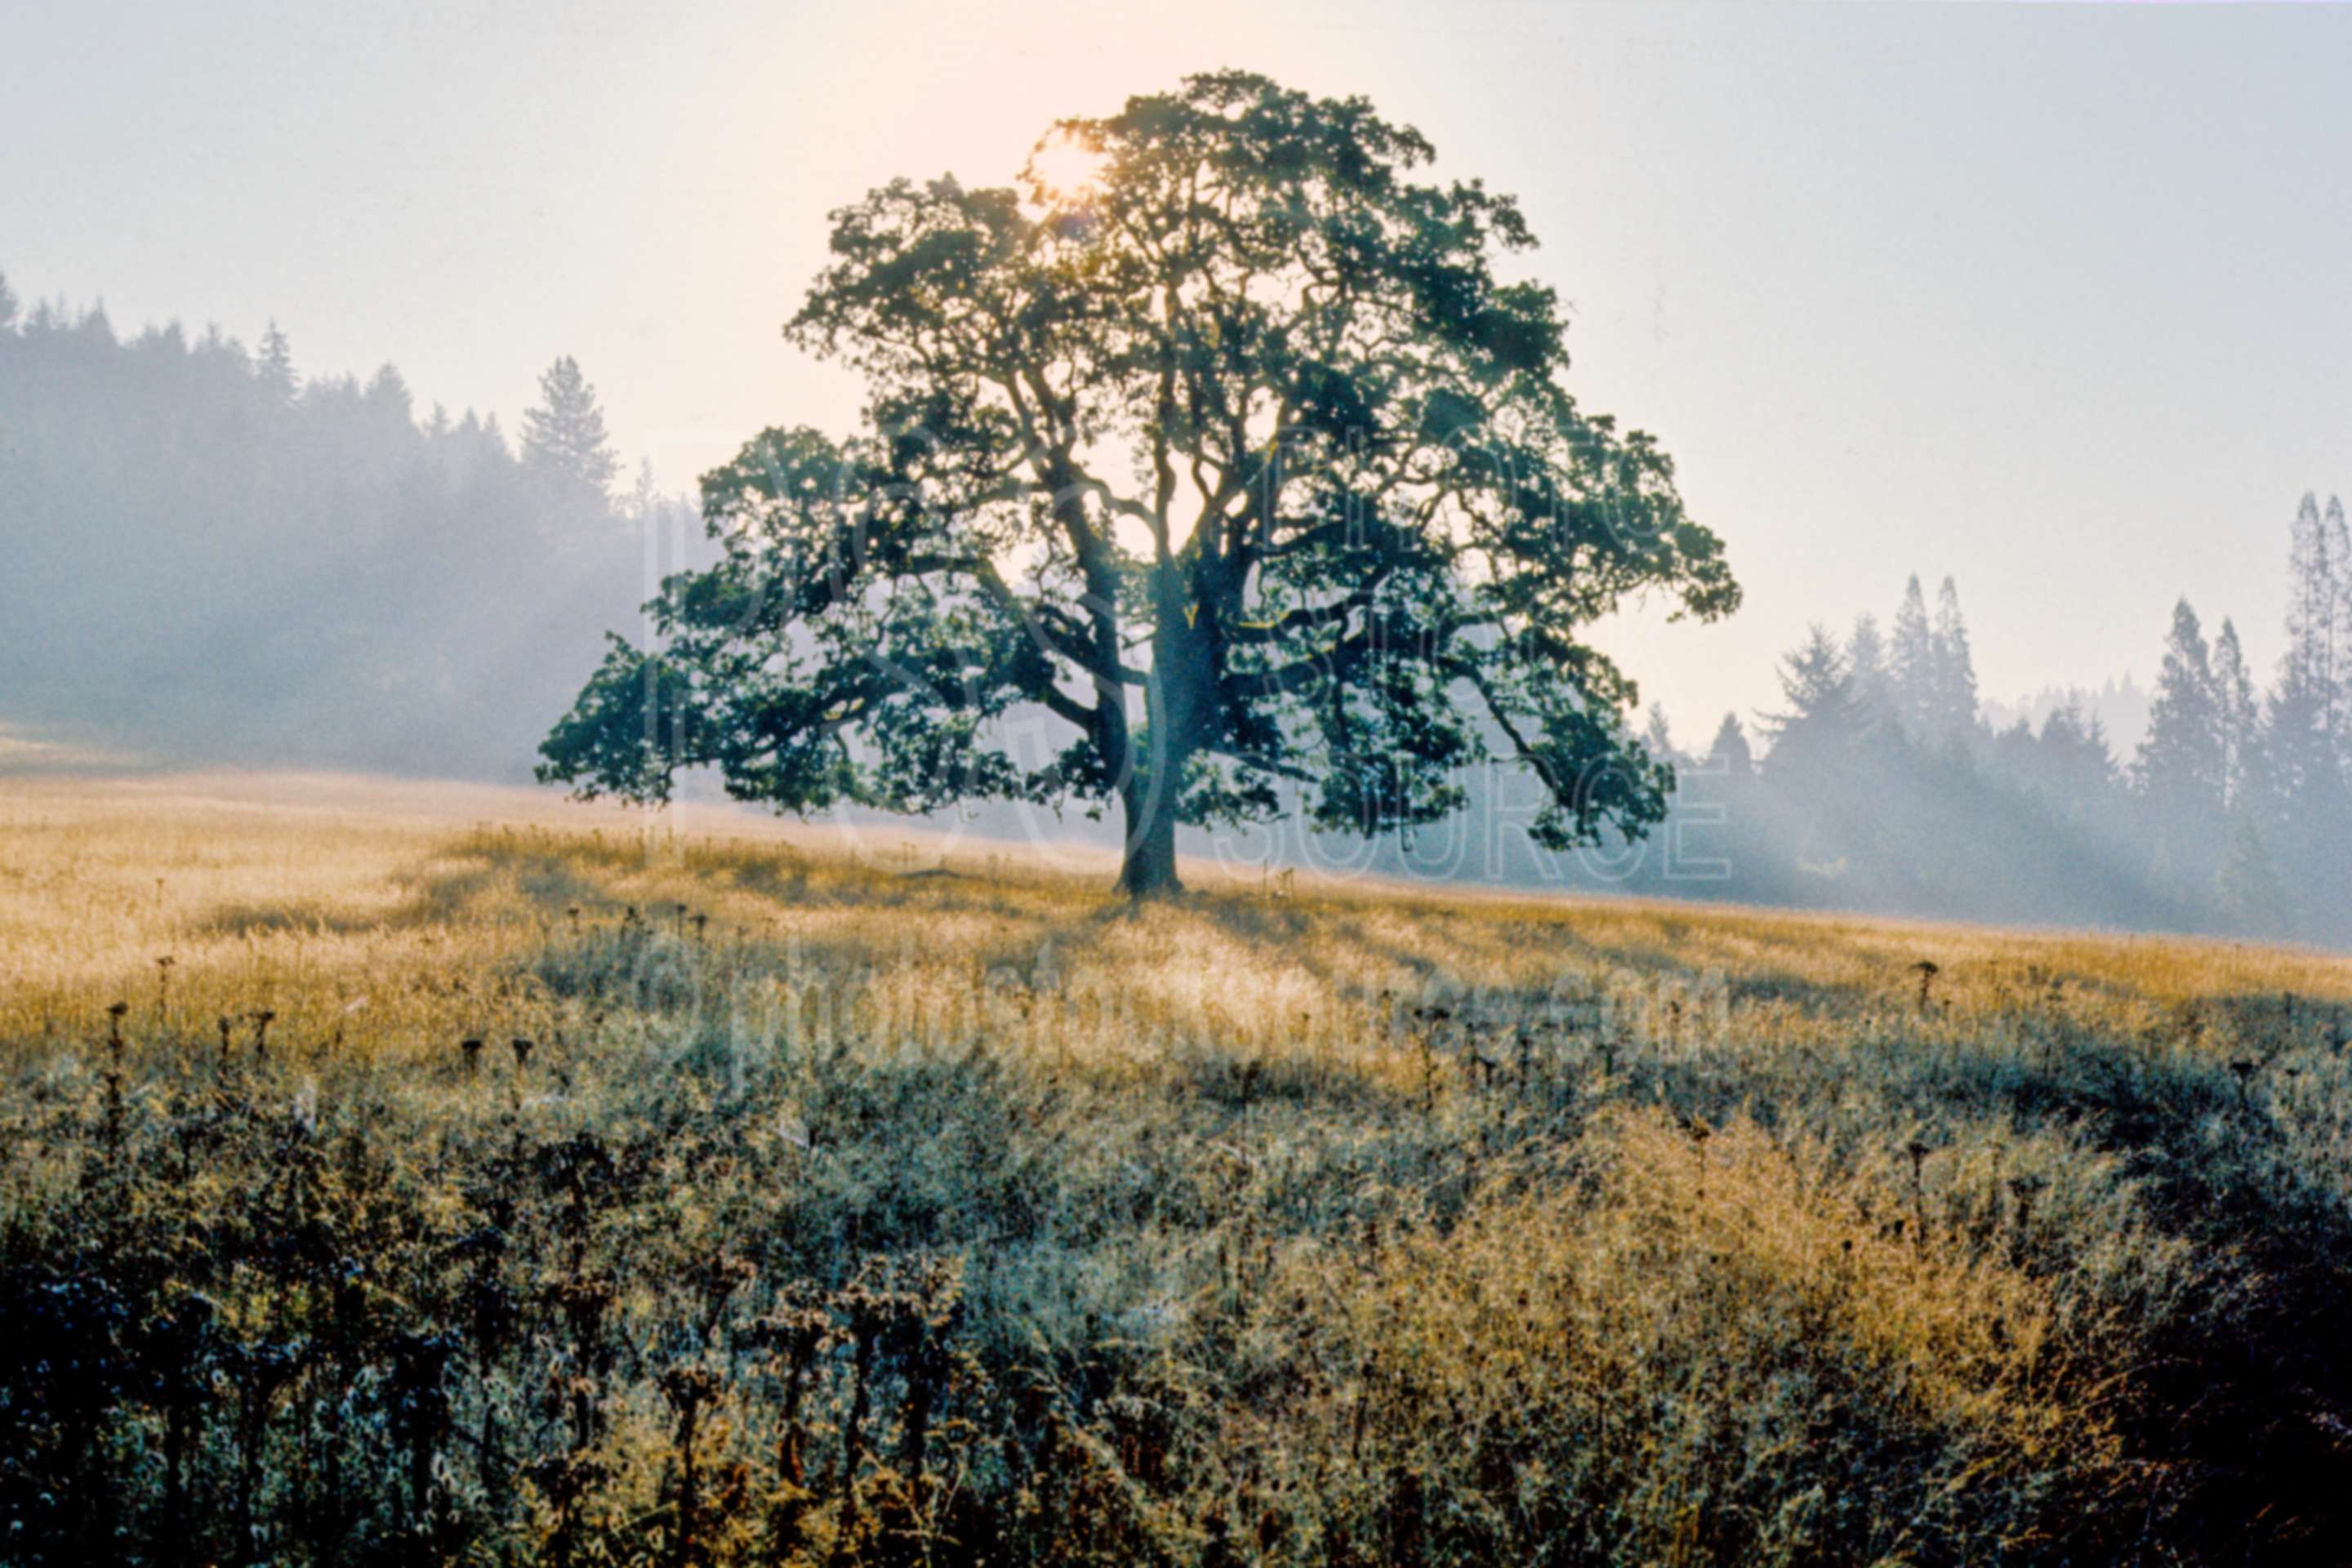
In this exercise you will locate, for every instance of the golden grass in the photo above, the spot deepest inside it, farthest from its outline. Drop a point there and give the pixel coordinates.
(1372, 1224)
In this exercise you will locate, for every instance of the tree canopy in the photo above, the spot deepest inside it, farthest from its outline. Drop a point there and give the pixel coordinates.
(1235, 452)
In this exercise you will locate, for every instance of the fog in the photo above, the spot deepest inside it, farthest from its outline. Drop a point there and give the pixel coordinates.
(216, 559)
(213, 559)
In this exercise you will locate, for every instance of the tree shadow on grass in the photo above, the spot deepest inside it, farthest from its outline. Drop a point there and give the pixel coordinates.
(2253, 1406)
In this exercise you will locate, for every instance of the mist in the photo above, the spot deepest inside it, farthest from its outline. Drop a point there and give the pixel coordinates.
(216, 559)
(213, 558)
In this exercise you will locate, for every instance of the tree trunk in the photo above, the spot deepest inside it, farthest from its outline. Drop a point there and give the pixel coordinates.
(1150, 868)
(1175, 698)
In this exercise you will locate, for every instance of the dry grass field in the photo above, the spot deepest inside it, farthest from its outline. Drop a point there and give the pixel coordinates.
(385, 1183)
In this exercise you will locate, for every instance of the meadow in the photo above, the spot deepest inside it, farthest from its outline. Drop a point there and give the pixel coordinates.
(404, 1178)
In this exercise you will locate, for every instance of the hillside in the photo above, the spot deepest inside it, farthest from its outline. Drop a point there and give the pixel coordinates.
(467, 1178)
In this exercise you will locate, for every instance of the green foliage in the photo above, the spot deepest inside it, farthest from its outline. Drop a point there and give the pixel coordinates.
(1248, 433)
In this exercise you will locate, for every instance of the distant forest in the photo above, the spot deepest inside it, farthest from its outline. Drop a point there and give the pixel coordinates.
(210, 557)
(1879, 784)
(213, 558)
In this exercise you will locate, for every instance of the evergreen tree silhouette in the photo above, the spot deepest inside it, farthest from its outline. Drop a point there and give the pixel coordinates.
(274, 366)
(1911, 662)
(564, 435)
(2309, 799)
(2337, 546)
(2181, 771)
(1865, 657)
(2241, 719)
(1952, 714)
(1821, 723)
(2314, 596)
(1657, 738)
(1729, 753)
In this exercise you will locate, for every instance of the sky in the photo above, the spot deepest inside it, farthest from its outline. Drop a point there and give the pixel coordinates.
(2050, 299)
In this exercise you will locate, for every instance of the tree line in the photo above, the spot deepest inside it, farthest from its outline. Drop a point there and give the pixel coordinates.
(1878, 783)
(214, 557)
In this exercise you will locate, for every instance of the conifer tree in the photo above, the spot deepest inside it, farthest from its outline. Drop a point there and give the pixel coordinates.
(1730, 754)
(2308, 796)
(2181, 769)
(387, 393)
(1953, 713)
(7, 304)
(2314, 595)
(2306, 712)
(1865, 657)
(645, 497)
(2337, 547)
(2301, 755)
(1820, 723)
(1657, 738)
(2240, 719)
(564, 435)
(2074, 758)
(1911, 661)
(275, 366)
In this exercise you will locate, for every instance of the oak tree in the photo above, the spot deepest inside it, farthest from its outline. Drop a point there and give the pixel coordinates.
(1224, 439)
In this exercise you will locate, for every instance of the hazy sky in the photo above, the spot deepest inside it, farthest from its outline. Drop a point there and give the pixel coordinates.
(2056, 300)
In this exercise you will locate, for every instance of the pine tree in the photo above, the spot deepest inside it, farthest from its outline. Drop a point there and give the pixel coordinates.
(7, 304)
(2240, 719)
(1911, 661)
(2308, 799)
(275, 366)
(564, 436)
(644, 503)
(1822, 722)
(2181, 771)
(387, 393)
(2315, 588)
(2302, 754)
(2308, 802)
(1730, 754)
(1658, 737)
(2337, 544)
(1866, 659)
(1953, 714)
(2074, 759)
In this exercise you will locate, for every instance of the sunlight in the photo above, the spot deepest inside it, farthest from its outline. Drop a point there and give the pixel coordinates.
(1066, 171)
